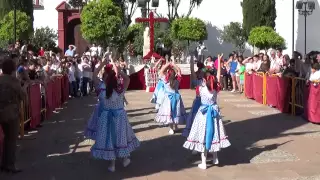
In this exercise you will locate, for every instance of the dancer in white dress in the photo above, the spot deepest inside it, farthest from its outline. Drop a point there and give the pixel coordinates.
(115, 137)
(207, 132)
(157, 97)
(172, 110)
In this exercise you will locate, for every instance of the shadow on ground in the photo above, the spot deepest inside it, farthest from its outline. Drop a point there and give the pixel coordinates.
(53, 154)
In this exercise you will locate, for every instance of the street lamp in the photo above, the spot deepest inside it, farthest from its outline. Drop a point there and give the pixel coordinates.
(145, 5)
(305, 8)
(15, 20)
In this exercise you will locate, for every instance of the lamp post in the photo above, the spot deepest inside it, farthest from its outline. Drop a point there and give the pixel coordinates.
(145, 5)
(305, 8)
(15, 20)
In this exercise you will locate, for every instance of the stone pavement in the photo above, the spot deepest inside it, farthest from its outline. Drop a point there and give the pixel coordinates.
(266, 145)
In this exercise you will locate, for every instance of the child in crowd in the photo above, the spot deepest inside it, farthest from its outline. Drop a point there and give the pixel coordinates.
(242, 70)
(315, 73)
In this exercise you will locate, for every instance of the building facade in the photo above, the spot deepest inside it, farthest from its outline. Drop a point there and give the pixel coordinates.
(216, 14)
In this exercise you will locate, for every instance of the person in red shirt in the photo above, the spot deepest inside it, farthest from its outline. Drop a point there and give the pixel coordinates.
(41, 52)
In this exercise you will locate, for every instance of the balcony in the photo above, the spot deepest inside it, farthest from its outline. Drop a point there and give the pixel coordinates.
(38, 4)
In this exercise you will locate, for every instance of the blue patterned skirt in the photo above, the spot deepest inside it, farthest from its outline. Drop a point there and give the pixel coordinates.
(91, 129)
(158, 94)
(195, 107)
(115, 137)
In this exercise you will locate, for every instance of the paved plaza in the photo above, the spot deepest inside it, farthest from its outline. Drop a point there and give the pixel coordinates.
(266, 145)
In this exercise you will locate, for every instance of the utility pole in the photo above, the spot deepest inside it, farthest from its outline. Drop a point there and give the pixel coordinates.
(15, 20)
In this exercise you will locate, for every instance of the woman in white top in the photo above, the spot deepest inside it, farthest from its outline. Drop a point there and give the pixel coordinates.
(72, 80)
(315, 73)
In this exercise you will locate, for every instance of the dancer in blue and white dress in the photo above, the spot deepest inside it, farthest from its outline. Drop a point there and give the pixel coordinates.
(171, 111)
(207, 133)
(196, 82)
(98, 78)
(115, 137)
(158, 94)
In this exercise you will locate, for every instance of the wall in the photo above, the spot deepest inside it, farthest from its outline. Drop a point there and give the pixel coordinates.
(47, 16)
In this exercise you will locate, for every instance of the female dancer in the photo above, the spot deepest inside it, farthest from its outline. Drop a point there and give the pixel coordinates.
(207, 132)
(172, 110)
(196, 82)
(115, 137)
(158, 94)
(91, 130)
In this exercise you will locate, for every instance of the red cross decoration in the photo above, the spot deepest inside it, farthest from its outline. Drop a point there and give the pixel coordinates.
(151, 20)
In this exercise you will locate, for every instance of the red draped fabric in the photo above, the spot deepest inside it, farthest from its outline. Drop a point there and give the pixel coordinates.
(249, 85)
(312, 105)
(257, 88)
(1, 141)
(65, 88)
(185, 82)
(278, 93)
(272, 90)
(58, 92)
(137, 81)
(49, 98)
(35, 105)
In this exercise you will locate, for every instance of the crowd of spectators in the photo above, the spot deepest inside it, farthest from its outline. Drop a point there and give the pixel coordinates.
(273, 63)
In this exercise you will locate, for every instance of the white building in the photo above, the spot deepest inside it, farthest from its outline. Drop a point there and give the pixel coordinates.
(217, 14)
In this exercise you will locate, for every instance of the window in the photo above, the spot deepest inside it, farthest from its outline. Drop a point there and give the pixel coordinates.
(38, 4)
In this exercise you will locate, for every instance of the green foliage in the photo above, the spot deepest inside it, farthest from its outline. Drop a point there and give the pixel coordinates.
(258, 13)
(77, 3)
(24, 28)
(128, 8)
(44, 37)
(265, 37)
(173, 6)
(101, 22)
(235, 34)
(22, 5)
(189, 29)
(5, 7)
(135, 36)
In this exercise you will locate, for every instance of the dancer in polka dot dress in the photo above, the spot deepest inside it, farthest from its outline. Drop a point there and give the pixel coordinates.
(91, 129)
(172, 110)
(115, 138)
(207, 133)
(196, 82)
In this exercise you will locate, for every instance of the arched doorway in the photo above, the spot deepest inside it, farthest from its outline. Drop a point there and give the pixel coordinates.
(74, 36)
(69, 28)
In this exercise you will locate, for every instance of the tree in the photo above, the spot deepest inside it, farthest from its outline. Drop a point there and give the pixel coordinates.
(173, 6)
(135, 36)
(24, 28)
(44, 37)
(258, 13)
(236, 35)
(5, 7)
(101, 22)
(189, 29)
(265, 37)
(21, 5)
(128, 8)
(78, 3)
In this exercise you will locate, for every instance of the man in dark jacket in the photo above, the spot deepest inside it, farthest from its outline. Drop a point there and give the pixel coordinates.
(11, 95)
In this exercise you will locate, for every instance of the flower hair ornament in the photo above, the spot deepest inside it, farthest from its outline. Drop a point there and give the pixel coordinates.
(169, 72)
